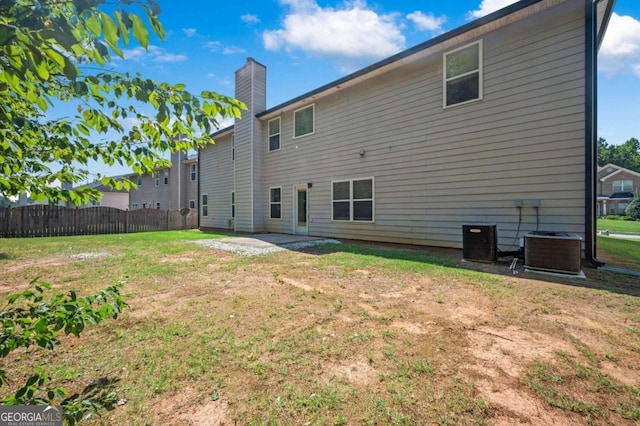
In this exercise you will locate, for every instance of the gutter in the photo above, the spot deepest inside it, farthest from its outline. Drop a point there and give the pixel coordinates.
(591, 130)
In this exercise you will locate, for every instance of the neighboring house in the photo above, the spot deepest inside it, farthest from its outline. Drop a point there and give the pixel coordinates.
(491, 122)
(171, 188)
(116, 198)
(616, 188)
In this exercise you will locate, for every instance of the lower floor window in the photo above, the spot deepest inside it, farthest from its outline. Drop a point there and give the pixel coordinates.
(192, 204)
(352, 200)
(204, 202)
(275, 203)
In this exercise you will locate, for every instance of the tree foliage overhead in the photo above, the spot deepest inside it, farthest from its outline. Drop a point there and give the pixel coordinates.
(626, 155)
(53, 51)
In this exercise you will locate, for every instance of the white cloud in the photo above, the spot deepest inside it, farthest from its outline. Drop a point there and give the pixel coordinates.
(153, 54)
(233, 50)
(620, 50)
(427, 22)
(350, 33)
(489, 6)
(250, 19)
(213, 46)
(189, 32)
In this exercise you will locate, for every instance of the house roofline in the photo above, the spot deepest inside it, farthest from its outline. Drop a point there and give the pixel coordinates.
(397, 59)
(620, 170)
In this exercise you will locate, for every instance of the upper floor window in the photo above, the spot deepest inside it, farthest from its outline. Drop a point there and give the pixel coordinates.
(275, 203)
(463, 75)
(622, 186)
(139, 180)
(156, 177)
(274, 134)
(352, 200)
(193, 171)
(166, 177)
(303, 121)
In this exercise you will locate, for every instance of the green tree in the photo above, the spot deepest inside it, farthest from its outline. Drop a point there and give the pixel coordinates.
(46, 48)
(633, 209)
(626, 155)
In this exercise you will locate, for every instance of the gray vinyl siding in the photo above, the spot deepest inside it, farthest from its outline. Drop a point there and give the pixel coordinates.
(190, 187)
(215, 172)
(250, 207)
(149, 193)
(436, 168)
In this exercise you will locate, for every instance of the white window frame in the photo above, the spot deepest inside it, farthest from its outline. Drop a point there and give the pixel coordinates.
(165, 177)
(274, 202)
(351, 199)
(446, 80)
(269, 135)
(313, 121)
(156, 177)
(158, 205)
(622, 183)
(192, 204)
(193, 171)
(204, 205)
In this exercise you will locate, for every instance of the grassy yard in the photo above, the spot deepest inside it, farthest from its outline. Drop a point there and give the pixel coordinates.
(619, 226)
(336, 334)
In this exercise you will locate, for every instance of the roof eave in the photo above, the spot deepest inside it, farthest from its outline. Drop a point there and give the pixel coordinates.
(421, 50)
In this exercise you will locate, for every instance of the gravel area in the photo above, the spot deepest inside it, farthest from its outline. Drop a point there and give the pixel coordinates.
(247, 250)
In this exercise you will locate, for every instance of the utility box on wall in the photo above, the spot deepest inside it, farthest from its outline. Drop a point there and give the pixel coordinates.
(553, 252)
(480, 242)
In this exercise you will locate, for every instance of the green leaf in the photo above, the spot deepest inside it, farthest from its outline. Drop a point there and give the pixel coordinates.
(110, 33)
(93, 24)
(140, 31)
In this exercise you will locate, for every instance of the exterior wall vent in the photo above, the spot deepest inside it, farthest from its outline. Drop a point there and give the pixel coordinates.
(480, 242)
(553, 252)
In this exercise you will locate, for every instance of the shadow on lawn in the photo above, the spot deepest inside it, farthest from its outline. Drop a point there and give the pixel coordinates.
(452, 258)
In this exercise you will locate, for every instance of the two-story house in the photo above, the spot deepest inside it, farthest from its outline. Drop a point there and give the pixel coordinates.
(169, 188)
(491, 122)
(616, 188)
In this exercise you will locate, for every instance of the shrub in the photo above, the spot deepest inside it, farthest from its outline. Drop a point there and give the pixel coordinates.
(633, 209)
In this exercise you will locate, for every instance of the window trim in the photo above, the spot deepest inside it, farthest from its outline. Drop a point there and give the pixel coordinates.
(279, 134)
(165, 177)
(192, 204)
(156, 177)
(193, 171)
(313, 121)
(351, 200)
(204, 205)
(479, 70)
(622, 186)
(158, 205)
(275, 202)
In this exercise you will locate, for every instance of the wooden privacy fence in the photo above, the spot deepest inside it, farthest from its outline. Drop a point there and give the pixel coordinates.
(51, 221)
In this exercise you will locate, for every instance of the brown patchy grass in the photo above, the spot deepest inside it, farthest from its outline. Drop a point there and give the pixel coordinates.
(337, 334)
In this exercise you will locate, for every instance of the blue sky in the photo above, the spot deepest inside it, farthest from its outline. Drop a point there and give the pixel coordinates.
(308, 43)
